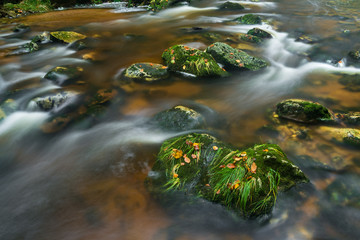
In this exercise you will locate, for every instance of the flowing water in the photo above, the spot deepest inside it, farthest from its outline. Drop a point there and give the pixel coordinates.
(87, 180)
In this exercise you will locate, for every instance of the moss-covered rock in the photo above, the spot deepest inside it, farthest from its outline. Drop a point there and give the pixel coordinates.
(351, 82)
(146, 72)
(303, 111)
(181, 58)
(343, 136)
(245, 181)
(234, 59)
(349, 118)
(180, 118)
(66, 36)
(64, 75)
(259, 33)
(51, 101)
(249, 19)
(309, 39)
(21, 28)
(231, 6)
(7, 107)
(157, 5)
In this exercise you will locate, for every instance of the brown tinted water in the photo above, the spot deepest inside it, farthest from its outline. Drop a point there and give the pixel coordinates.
(87, 180)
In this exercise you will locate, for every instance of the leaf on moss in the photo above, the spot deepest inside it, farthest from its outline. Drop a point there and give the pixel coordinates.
(231, 165)
(177, 153)
(253, 167)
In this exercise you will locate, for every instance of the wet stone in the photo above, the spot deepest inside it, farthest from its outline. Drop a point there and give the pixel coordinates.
(250, 38)
(180, 118)
(351, 82)
(355, 55)
(146, 72)
(259, 33)
(234, 59)
(51, 101)
(349, 118)
(64, 75)
(231, 6)
(66, 36)
(344, 136)
(303, 111)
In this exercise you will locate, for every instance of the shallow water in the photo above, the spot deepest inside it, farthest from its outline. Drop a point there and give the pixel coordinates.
(87, 180)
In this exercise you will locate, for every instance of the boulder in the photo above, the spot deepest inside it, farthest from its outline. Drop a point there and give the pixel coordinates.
(181, 58)
(179, 118)
(231, 6)
(250, 38)
(349, 118)
(146, 72)
(66, 36)
(245, 181)
(343, 136)
(249, 19)
(234, 59)
(303, 111)
(259, 33)
(355, 55)
(64, 75)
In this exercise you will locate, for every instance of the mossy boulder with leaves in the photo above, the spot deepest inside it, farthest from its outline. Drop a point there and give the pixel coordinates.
(146, 72)
(249, 19)
(66, 36)
(259, 33)
(250, 38)
(245, 181)
(64, 75)
(234, 59)
(181, 58)
(180, 118)
(231, 6)
(303, 111)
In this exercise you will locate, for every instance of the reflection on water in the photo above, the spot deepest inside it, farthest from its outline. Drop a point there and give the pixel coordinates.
(87, 181)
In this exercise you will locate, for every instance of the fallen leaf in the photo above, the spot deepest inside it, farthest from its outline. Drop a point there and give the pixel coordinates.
(253, 167)
(186, 159)
(243, 154)
(265, 150)
(182, 164)
(238, 61)
(207, 185)
(184, 67)
(176, 175)
(231, 165)
(151, 64)
(196, 146)
(177, 153)
(172, 51)
(236, 158)
(141, 70)
(218, 191)
(215, 148)
(164, 67)
(193, 156)
(222, 166)
(231, 53)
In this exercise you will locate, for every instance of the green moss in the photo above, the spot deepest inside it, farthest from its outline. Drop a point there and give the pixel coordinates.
(234, 59)
(66, 36)
(147, 72)
(303, 111)
(157, 5)
(250, 38)
(244, 181)
(64, 75)
(30, 6)
(249, 19)
(181, 58)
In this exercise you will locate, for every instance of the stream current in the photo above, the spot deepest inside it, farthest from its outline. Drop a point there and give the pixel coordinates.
(87, 180)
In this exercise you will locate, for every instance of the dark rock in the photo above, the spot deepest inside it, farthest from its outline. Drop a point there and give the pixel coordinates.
(21, 28)
(146, 72)
(259, 33)
(351, 82)
(231, 6)
(249, 19)
(234, 59)
(349, 118)
(355, 55)
(180, 118)
(343, 136)
(246, 182)
(181, 58)
(303, 111)
(51, 101)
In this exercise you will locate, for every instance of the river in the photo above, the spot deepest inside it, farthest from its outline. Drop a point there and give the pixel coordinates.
(87, 180)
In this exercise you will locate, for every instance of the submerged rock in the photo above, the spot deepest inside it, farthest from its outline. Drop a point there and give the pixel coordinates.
(180, 118)
(249, 19)
(181, 58)
(147, 72)
(259, 33)
(351, 82)
(303, 111)
(66, 36)
(231, 6)
(21, 28)
(41, 38)
(355, 55)
(246, 182)
(234, 59)
(350, 118)
(7, 107)
(64, 75)
(344, 136)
